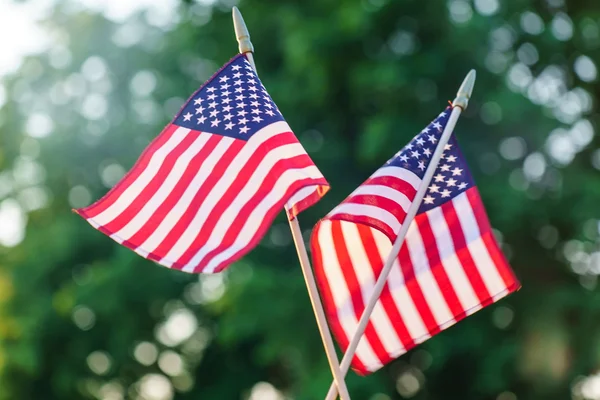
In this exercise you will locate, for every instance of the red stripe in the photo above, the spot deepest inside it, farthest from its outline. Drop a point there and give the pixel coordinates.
(354, 289)
(309, 200)
(226, 199)
(140, 165)
(135, 206)
(266, 222)
(412, 285)
(176, 193)
(508, 276)
(395, 183)
(436, 266)
(242, 215)
(463, 253)
(374, 223)
(386, 298)
(381, 202)
(327, 297)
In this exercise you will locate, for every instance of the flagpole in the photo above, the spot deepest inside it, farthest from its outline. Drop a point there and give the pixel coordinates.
(245, 47)
(458, 105)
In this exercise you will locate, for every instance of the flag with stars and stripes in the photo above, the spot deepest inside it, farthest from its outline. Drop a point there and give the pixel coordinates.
(449, 265)
(205, 191)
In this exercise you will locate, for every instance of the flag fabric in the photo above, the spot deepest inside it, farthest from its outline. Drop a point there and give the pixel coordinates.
(205, 191)
(449, 265)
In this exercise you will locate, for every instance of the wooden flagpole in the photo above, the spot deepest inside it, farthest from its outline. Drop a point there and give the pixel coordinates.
(458, 105)
(245, 46)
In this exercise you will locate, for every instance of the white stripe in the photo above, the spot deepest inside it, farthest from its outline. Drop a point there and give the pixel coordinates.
(250, 187)
(366, 280)
(231, 172)
(253, 221)
(300, 195)
(397, 172)
(133, 191)
(339, 291)
(486, 266)
(404, 302)
(179, 169)
(384, 191)
(367, 210)
(453, 267)
(432, 293)
(175, 213)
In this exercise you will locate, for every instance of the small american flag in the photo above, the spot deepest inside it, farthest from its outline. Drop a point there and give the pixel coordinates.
(205, 191)
(449, 265)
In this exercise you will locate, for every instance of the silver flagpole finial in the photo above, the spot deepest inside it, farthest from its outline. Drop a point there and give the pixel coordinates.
(464, 93)
(241, 32)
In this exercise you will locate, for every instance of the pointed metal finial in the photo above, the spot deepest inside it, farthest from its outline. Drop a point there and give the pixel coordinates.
(464, 93)
(241, 32)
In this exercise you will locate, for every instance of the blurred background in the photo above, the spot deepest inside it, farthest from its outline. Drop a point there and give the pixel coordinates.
(86, 84)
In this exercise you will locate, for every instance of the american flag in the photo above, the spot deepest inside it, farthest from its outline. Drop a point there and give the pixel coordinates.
(205, 191)
(449, 265)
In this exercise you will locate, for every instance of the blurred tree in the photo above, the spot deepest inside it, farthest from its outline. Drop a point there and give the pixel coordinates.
(81, 317)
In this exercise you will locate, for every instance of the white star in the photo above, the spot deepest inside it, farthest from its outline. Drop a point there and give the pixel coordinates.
(226, 100)
(427, 152)
(251, 81)
(415, 154)
(214, 113)
(442, 114)
(257, 119)
(255, 104)
(426, 130)
(212, 105)
(253, 96)
(198, 101)
(420, 141)
(235, 67)
(241, 97)
(428, 200)
(201, 119)
(199, 110)
(250, 73)
(239, 89)
(227, 108)
(227, 117)
(256, 111)
(434, 188)
(211, 89)
(462, 185)
(447, 147)
(212, 96)
(229, 126)
(187, 116)
(238, 82)
(243, 121)
(445, 193)
(439, 178)
(409, 146)
(241, 113)
(269, 113)
(224, 78)
(253, 88)
(432, 139)
(215, 122)
(456, 171)
(437, 126)
(451, 182)
(268, 105)
(237, 75)
(421, 165)
(225, 93)
(241, 105)
(445, 168)
(403, 158)
(451, 158)
(244, 129)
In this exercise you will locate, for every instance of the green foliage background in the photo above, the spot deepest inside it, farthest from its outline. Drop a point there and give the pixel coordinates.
(83, 318)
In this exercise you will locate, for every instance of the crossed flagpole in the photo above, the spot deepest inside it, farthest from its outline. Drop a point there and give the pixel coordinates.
(338, 370)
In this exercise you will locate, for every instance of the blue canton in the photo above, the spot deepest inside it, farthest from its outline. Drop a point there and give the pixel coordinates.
(232, 103)
(452, 175)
